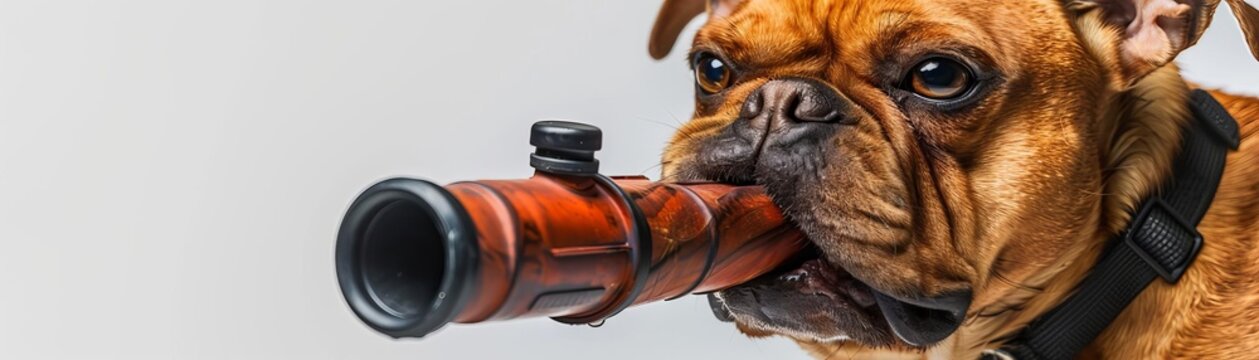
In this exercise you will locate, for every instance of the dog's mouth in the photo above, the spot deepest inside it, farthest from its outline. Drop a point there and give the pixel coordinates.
(810, 300)
(816, 300)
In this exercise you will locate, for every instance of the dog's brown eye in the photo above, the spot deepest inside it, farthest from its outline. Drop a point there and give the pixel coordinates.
(711, 73)
(939, 78)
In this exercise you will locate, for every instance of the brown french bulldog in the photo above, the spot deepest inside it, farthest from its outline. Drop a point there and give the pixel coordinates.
(960, 165)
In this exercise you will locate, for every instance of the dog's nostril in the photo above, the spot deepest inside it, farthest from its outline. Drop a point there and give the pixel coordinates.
(813, 107)
(752, 105)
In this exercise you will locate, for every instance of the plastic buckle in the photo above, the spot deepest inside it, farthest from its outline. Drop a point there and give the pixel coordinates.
(1141, 246)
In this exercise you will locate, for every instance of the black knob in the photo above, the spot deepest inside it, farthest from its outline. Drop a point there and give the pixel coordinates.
(565, 147)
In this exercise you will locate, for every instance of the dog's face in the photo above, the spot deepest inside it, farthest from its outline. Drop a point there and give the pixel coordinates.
(939, 153)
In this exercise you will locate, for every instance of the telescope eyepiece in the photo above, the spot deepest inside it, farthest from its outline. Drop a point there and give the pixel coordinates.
(401, 271)
(405, 257)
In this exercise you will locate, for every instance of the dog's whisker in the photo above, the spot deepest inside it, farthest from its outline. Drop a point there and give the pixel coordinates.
(656, 166)
(661, 123)
(677, 120)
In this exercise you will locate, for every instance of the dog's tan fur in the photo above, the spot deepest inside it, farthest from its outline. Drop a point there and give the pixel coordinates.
(1102, 133)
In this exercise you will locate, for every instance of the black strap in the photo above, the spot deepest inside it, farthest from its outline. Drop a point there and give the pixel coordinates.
(1161, 241)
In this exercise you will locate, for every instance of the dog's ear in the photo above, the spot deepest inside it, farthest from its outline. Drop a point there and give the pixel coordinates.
(1150, 33)
(1248, 17)
(675, 14)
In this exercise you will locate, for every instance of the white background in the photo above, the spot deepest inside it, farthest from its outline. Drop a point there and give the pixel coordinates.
(172, 173)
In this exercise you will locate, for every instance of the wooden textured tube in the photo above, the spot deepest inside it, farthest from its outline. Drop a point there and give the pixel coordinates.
(413, 256)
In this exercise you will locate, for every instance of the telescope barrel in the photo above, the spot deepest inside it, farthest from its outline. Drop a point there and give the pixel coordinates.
(412, 256)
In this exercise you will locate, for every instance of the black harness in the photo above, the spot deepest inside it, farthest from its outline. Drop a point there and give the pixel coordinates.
(1161, 241)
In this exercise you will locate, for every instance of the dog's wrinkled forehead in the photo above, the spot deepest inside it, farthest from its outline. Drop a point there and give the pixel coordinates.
(806, 37)
(813, 19)
(1153, 31)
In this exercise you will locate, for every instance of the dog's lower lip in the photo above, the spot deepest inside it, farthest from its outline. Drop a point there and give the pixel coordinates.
(821, 278)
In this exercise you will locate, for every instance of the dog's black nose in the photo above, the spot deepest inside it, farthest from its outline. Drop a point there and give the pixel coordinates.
(783, 102)
(780, 129)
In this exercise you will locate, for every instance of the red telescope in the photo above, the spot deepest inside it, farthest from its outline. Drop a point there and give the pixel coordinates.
(567, 243)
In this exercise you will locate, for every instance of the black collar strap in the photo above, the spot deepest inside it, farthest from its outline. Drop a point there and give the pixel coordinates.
(1161, 241)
